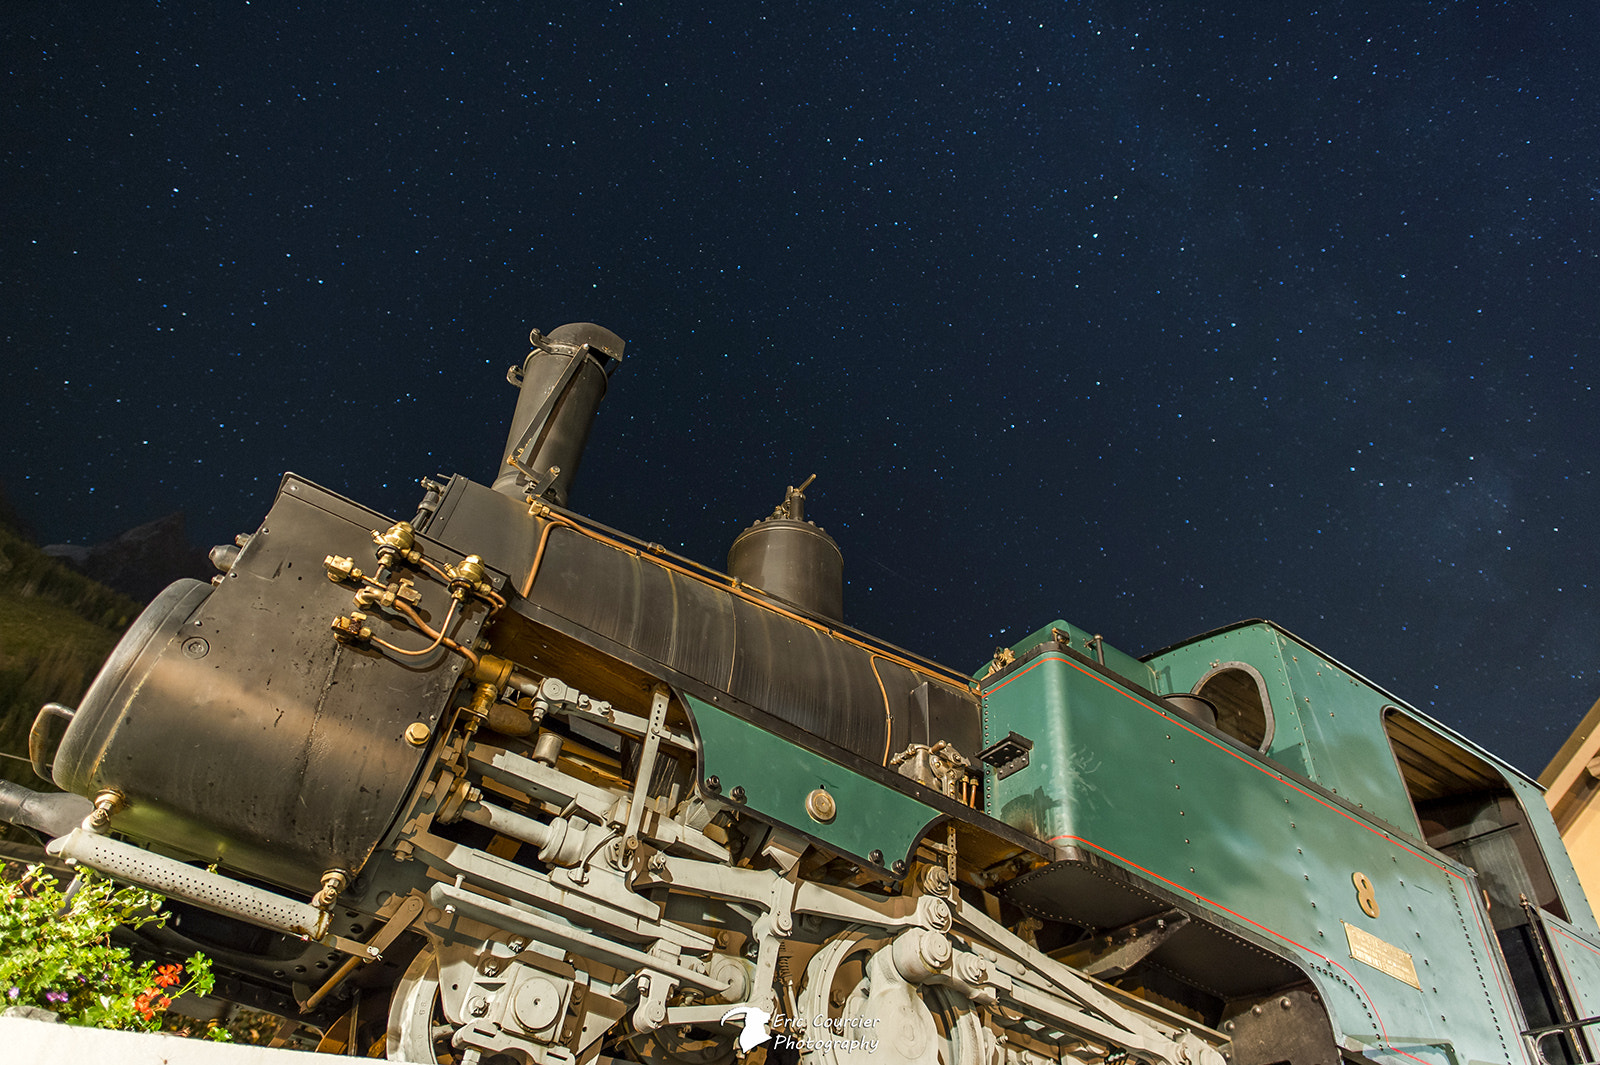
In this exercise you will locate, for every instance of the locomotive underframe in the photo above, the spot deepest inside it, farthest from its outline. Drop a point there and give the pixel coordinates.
(575, 874)
(550, 794)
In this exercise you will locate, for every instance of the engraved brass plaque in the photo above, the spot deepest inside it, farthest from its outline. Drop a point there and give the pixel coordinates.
(1381, 955)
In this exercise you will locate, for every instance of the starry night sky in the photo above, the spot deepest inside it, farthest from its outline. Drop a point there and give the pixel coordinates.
(1153, 317)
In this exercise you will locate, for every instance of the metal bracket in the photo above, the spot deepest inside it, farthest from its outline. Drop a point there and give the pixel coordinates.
(1135, 942)
(654, 990)
(370, 951)
(1008, 755)
(540, 484)
(647, 764)
(541, 418)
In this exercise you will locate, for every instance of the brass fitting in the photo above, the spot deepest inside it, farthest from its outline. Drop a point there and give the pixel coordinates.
(492, 669)
(1003, 657)
(398, 542)
(106, 803)
(821, 806)
(341, 569)
(469, 577)
(333, 882)
(471, 570)
(387, 595)
(352, 629)
(404, 591)
(483, 697)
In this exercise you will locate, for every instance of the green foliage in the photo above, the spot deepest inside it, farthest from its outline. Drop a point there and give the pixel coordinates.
(56, 953)
(26, 572)
(56, 627)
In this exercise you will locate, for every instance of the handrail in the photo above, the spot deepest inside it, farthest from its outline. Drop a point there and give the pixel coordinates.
(1537, 1036)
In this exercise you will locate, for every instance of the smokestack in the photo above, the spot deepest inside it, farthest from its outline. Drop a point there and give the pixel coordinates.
(563, 380)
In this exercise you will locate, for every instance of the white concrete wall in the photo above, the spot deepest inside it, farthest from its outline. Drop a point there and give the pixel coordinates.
(27, 1042)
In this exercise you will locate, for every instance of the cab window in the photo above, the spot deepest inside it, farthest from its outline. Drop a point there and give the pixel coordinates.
(1240, 697)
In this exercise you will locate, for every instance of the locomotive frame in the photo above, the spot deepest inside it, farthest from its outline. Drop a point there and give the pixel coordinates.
(499, 783)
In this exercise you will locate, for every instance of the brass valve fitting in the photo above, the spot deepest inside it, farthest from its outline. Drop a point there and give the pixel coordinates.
(469, 577)
(387, 595)
(398, 542)
(351, 629)
(492, 669)
(105, 804)
(333, 882)
(483, 697)
(341, 569)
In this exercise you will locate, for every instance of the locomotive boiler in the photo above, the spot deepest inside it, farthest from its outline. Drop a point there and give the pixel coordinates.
(497, 783)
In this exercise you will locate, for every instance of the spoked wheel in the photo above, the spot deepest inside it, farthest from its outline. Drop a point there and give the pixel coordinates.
(836, 987)
(963, 1037)
(685, 1046)
(871, 1016)
(358, 1033)
(418, 1028)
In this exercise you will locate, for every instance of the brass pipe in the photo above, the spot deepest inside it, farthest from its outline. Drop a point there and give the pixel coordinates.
(328, 985)
(888, 712)
(437, 638)
(427, 630)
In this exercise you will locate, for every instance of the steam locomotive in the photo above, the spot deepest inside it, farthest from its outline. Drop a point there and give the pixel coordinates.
(498, 783)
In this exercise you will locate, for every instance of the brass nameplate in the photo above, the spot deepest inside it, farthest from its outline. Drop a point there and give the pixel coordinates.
(1381, 955)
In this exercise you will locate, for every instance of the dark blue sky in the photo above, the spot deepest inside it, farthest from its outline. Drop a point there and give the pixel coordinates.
(1149, 316)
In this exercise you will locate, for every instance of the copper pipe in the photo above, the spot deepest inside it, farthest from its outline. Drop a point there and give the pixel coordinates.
(427, 630)
(888, 712)
(438, 638)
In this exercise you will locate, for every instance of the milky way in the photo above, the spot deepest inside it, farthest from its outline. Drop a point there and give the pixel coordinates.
(1151, 317)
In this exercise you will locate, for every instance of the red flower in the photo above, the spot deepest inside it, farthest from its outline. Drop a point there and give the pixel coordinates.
(148, 1003)
(167, 975)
